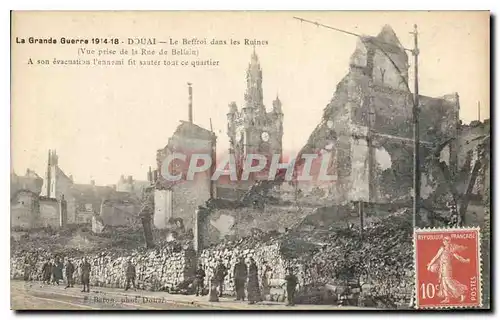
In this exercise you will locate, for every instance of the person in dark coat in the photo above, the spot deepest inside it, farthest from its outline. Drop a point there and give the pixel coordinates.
(240, 278)
(130, 275)
(27, 267)
(291, 283)
(70, 269)
(57, 271)
(220, 274)
(46, 272)
(200, 280)
(253, 283)
(85, 275)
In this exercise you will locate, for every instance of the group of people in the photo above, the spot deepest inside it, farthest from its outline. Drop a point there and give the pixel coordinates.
(52, 272)
(245, 276)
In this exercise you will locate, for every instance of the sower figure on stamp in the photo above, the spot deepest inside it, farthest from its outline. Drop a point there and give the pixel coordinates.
(200, 280)
(85, 275)
(253, 283)
(442, 265)
(220, 274)
(240, 277)
(291, 284)
(70, 269)
(130, 275)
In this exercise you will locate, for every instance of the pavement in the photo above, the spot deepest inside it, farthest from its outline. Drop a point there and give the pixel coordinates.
(36, 296)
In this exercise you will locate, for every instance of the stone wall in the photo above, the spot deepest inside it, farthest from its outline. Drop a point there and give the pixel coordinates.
(157, 270)
(23, 211)
(49, 212)
(243, 222)
(268, 259)
(120, 213)
(383, 269)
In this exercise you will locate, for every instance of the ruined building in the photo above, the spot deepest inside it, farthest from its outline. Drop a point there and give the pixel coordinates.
(367, 126)
(180, 199)
(30, 181)
(85, 200)
(131, 185)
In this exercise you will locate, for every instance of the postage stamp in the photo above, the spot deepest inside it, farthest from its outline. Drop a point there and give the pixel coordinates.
(447, 268)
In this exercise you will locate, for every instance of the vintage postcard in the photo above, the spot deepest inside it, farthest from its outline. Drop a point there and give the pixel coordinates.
(250, 160)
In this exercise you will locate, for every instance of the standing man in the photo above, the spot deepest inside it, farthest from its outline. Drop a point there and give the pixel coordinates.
(220, 274)
(85, 275)
(240, 277)
(130, 275)
(253, 283)
(27, 266)
(70, 269)
(57, 271)
(46, 271)
(291, 283)
(200, 279)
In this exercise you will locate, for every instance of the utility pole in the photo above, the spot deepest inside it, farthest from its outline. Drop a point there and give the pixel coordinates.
(190, 102)
(361, 218)
(416, 136)
(213, 158)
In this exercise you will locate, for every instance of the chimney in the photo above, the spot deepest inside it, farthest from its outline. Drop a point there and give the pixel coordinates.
(92, 182)
(49, 183)
(190, 91)
(150, 175)
(155, 176)
(129, 180)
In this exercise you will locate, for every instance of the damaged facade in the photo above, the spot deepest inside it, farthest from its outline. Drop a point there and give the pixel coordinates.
(180, 199)
(367, 126)
(86, 200)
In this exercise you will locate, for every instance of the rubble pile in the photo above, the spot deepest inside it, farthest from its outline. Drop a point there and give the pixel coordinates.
(381, 262)
(81, 239)
(383, 258)
(270, 218)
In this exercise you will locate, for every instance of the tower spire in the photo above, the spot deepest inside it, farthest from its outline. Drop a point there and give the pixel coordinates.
(254, 93)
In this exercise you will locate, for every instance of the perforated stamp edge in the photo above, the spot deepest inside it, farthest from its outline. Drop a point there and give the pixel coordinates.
(480, 268)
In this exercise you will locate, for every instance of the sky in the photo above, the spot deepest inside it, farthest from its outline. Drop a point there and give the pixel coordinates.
(105, 121)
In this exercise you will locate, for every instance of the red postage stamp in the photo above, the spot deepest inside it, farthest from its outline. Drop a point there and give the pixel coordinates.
(447, 268)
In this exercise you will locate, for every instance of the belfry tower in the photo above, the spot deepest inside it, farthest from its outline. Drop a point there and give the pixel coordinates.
(252, 129)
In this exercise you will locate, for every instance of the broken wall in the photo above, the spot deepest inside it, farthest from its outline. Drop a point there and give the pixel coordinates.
(187, 194)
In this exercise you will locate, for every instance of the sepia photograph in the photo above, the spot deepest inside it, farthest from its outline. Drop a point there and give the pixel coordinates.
(250, 160)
